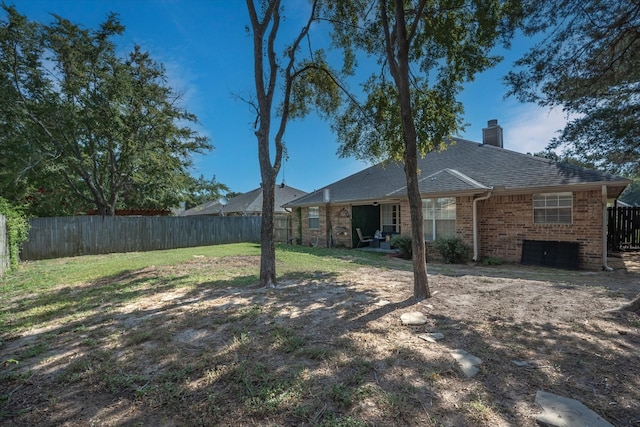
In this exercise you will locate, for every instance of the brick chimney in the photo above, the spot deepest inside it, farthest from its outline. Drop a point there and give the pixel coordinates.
(492, 134)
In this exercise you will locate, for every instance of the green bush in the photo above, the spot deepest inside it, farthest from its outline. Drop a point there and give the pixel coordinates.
(492, 261)
(403, 244)
(17, 229)
(453, 250)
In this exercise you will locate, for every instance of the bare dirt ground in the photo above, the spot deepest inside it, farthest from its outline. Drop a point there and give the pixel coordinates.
(331, 351)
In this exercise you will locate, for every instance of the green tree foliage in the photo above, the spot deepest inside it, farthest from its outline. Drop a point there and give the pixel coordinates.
(17, 229)
(202, 190)
(589, 64)
(426, 50)
(297, 83)
(83, 127)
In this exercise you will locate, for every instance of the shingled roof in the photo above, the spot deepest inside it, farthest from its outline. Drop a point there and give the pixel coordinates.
(464, 168)
(249, 203)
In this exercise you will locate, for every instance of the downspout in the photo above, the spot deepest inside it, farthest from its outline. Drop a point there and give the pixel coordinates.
(476, 254)
(605, 266)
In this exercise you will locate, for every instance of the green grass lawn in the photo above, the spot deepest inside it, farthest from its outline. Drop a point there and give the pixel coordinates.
(42, 290)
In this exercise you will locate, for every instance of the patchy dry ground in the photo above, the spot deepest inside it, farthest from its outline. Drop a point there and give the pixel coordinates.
(330, 350)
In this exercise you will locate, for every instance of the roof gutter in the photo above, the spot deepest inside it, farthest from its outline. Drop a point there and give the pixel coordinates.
(476, 254)
(605, 266)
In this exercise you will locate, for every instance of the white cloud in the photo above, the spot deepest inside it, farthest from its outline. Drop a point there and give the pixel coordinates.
(529, 128)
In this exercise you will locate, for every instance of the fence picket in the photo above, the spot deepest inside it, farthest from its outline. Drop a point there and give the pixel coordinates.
(89, 235)
(623, 228)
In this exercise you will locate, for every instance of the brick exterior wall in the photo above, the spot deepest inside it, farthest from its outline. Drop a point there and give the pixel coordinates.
(340, 220)
(503, 221)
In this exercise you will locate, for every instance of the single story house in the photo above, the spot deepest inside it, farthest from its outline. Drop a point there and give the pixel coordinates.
(503, 204)
(250, 204)
(247, 204)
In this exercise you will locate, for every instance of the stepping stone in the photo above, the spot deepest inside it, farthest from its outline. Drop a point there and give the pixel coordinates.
(467, 361)
(431, 337)
(560, 411)
(414, 318)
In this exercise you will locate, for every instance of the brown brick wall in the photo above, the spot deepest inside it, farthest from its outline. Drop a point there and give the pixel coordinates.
(504, 222)
(340, 220)
(312, 237)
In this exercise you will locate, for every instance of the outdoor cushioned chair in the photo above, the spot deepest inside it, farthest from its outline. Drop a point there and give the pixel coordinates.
(365, 239)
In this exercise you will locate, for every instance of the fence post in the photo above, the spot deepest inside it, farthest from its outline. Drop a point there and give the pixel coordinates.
(4, 246)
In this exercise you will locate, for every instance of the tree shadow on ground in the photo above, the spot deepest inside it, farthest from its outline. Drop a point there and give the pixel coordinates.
(315, 350)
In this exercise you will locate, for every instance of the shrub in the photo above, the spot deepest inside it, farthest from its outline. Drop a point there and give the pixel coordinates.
(403, 243)
(492, 261)
(17, 229)
(453, 250)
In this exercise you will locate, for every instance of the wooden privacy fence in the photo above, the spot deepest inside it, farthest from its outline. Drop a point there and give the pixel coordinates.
(4, 246)
(623, 228)
(90, 235)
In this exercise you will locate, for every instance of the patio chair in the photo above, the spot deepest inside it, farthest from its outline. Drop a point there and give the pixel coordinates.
(363, 239)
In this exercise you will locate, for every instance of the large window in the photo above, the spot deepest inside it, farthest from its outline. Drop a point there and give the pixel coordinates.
(314, 217)
(552, 208)
(439, 218)
(390, 216)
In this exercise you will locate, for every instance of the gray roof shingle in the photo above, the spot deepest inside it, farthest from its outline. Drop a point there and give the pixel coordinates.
(465, 167)
(249, 203)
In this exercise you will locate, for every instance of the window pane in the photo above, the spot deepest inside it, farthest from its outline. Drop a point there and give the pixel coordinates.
(445, 228)
(439, 218)
(390, 218)
(427, 208)
(314, 217)
(428, 230)
(564, 216)
(565, 201)
(539, 216)
(552, 208)
(445, 208)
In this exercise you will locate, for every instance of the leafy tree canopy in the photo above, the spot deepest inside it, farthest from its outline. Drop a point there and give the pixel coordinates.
(448, 43)
(589, 64)
(85, 128)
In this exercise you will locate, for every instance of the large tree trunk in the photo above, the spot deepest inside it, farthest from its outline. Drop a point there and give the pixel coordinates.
(399, 66)
(418, 247)
(267, 246)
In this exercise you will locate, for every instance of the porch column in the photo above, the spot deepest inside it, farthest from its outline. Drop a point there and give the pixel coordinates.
(605, 266)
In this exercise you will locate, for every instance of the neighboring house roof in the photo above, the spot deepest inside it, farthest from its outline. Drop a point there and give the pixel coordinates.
(464, 168)
(249, 203)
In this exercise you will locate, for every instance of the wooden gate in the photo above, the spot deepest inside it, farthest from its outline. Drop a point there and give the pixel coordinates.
(623, 228)
(282, 228)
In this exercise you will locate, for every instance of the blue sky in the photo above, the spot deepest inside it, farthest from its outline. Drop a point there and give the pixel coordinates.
(207, 54)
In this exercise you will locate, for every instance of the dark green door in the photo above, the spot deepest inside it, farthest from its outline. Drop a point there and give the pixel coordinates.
(367, 219)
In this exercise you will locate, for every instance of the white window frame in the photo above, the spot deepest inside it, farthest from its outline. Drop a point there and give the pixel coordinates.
(390, 218)
(314, 217)
(553, 208)
(434, 213)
